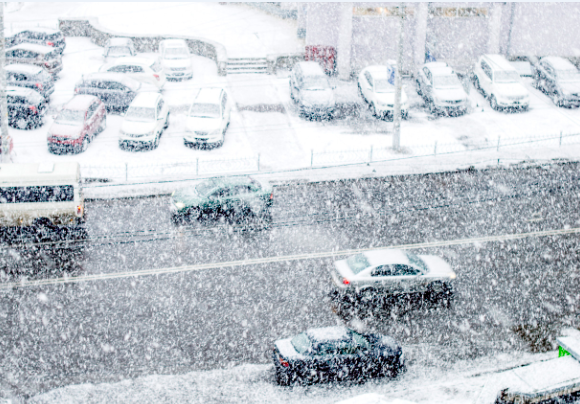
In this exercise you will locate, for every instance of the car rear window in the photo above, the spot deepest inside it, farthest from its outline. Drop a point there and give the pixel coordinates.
(301, 343)
(118, 50)
(70, 117)
(358, 263)
(63, 193)
(204, 188)
(198, 110)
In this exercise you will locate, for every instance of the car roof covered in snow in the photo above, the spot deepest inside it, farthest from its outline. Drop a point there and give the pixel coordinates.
(432, 65)
(210, 95)
(120, 42)
(107, 76)
(80, 102)
(15, 90)
(32, 47)
(380, 71)
(173, 43)
(373, 398)
(386, 257)
(328, 334)
(559, 63)
(146, 99)
(499, 62)
(23, 68)
(311, 68)
(441, 70)
(16, 173)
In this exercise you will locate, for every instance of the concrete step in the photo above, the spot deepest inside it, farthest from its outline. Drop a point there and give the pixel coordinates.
(247, 66)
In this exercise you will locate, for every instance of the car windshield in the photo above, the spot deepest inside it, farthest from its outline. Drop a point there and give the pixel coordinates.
(316, 83)
(383, 86)
(204, 188)
(506, 77)
(450, 81)
(417, 262)
(204, 110)
(140, 114)
(568, 75)
(70, 117)
(119, 50)
(358, 263)
(175, 53)
(301, 343)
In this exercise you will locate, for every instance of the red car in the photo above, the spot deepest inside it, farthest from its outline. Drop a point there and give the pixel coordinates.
(78, 122)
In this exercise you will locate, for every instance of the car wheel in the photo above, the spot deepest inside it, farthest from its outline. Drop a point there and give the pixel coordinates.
(493, 103)
(166, 122)
(282, 378)
(193, 214)
(103, 124)
(85, 144)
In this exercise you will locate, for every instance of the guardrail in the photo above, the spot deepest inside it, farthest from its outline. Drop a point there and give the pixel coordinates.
(89, 27)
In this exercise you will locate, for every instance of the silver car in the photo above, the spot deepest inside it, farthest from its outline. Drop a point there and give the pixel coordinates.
(441, 89)
(392, 272)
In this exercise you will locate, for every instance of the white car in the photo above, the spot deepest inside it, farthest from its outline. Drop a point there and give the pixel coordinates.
(208, 118)
(311, 90)
(144, 122)
(140, 69)
(392, 272)
(441, 89)
(376, 87)
(118, 48)
(499, 81)
(175, 59)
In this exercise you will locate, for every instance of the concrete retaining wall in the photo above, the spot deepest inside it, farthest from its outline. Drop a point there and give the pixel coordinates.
(143, 43)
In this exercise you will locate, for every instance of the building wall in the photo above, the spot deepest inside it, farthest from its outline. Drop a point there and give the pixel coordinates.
(322, 24)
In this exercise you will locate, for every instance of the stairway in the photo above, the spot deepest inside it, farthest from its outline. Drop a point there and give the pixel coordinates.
(247, 66)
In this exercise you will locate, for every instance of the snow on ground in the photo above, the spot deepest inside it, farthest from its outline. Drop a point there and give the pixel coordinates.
(474, 382)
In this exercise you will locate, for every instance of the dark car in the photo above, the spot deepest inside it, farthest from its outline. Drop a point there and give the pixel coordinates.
(30, 76)
(236, 197)
(42, 36)
(559, 79)
(26, 108)
(335, 353)
(39, 55)
(116, 90)
(77, 123)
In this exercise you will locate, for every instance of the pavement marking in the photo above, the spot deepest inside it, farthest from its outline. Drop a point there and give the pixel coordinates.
(284, 258)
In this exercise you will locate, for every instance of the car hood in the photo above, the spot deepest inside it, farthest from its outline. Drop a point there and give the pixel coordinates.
(186, 62)
(572, 87)
(389, 98)
(343, 269)
(318, 97)
(205, 125)
(137, 128)
(147, 87)
(511, 89)
(188, 196)
(436, 265)
(450, 94)
(61, 130)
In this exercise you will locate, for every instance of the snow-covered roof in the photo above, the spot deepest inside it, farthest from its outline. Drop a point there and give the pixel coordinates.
(210, 95)
(499, 62)
(121, 78)
(146, 99)
(328, 334)
(311, 68)
(386, 256)
(373, 398)
(32, 47)
(33, 173)
(571, 345)
(559, 63)
(19, 67)
(173, 43)
(120, 42)
(80, 102)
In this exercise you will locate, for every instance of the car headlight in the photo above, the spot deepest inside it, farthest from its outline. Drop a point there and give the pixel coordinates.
(179, 205)
(452, 275)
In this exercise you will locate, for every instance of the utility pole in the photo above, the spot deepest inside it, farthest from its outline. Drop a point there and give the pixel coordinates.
(4, 138)
(398, 83)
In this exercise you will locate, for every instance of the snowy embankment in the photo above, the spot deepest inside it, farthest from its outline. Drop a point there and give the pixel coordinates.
(475, 382)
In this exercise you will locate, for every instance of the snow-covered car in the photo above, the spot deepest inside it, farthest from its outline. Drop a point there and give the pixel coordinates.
(393, 272)
(144, 122)
(30, 76)
(373, 398)
(118, 48)
(335, 353)
(77, 123)
(559, 79)
(500, 82)
(175, 59)
(311, 90)
(235, 197)
(26, 107)
(42, 36)
(44, 56)
(116, 90)
(441, 89)
(208, 118)
(376, 87)
(140, 69)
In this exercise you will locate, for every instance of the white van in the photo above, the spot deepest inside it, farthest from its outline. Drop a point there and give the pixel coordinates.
(46, 196)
